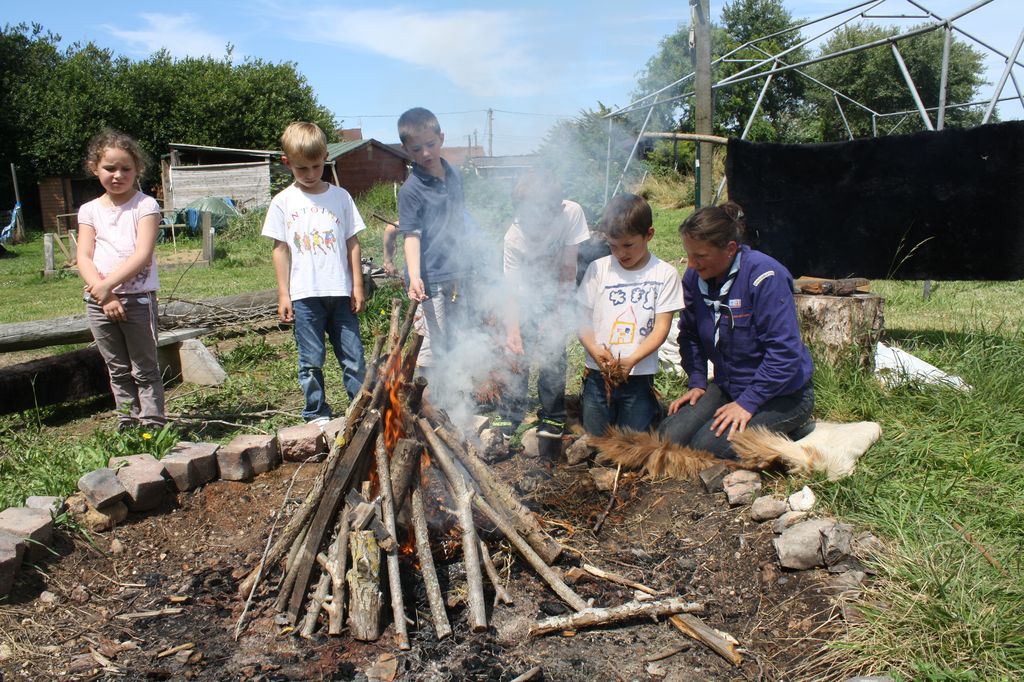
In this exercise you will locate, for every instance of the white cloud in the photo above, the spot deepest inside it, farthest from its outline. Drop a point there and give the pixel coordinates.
(485, 52)
(181, 34)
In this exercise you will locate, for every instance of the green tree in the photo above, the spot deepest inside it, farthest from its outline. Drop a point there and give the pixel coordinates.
(742, 21)
(873, 78)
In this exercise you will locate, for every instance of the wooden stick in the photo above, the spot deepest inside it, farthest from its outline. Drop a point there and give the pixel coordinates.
(336, 569)
(404, 464)
(611, 501)
(328, 563)
(394, 577)
(362, 399)
(288, 579)
(621, 580)
(667, 653)
(396, 312)
(365, 598)
(470, 546)
(528, 675)
(501, 595)
(550, 576)
(426, 558)
(628, 611)
(502, 497)
(695, 628)
(980, 547)
(334, 492)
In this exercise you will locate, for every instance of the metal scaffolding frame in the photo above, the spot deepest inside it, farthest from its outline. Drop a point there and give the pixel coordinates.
(776, 64)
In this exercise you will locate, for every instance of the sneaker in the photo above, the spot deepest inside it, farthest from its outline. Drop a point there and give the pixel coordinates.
(549, 428)
(320, 421)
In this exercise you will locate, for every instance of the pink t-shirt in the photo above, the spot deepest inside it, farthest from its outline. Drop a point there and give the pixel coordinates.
(116, 231)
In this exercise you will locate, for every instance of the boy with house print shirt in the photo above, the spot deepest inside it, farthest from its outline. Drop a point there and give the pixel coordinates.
(629, 299)
(317, 263)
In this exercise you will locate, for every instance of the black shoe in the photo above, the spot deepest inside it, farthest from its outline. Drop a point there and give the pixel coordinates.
(549, 428)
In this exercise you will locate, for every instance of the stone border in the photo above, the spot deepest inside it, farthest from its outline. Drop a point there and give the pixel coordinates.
(140, 483)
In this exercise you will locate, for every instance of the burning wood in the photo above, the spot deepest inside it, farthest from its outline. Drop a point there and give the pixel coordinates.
(393, 449)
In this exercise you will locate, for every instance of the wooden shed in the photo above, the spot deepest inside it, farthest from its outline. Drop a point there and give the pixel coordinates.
(361, 164)
(61, 197)
(191, 172)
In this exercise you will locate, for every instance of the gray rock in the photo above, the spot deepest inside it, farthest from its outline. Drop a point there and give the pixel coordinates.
(233, 464)
(145, 482)
(531, 445)
(847, 585)
(332, 429)
(295, 443)
(836, 543)
(766, 508)
(101, 488)
(802, 500)
(199, 365)
(116, 463)
(191, 465)
(35, 526)
(741, 487)
(12, 552)
(713, 476)
(799, 546)
(50, 503)
(493, 446)
(786, 520)
(604, 478)
(478, 423)
(579, 451)
(867, 547)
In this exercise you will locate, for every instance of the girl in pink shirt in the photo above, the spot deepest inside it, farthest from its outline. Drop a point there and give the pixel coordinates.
(116, 240)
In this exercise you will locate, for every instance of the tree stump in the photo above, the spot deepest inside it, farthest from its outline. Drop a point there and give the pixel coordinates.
(842, 325)
(365, 599)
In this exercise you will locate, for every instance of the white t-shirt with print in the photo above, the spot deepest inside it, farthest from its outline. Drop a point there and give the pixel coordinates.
(622, 305)
(117, 230)
(316, 228)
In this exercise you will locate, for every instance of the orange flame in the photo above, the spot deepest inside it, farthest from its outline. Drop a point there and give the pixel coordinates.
(393, 410)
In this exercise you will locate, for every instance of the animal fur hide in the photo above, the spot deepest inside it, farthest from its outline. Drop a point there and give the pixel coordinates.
(831, 448)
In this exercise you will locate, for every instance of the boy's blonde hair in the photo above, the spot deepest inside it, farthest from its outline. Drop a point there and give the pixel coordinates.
(302, 140)
(108, 138)
(417, 120)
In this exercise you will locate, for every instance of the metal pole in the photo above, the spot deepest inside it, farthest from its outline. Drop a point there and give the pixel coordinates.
(874, 124)
(944, 78)
(632, 152)
(1002, 79)
(913, 89)
(19, 224)
(702, 86)
(1016, 86)
(490, 132)
(842, 115)
(757, 106)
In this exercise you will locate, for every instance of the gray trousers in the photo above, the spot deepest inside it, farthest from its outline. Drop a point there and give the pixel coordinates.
(129, 349)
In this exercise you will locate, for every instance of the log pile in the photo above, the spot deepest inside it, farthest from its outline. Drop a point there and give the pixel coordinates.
(398, 464)
(397, 458)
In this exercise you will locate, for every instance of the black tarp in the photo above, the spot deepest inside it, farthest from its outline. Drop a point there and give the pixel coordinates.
(939, 205)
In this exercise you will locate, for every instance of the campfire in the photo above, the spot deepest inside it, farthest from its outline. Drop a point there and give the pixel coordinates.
(396, 457)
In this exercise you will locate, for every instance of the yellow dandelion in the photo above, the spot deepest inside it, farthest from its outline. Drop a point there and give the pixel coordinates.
(147, 436)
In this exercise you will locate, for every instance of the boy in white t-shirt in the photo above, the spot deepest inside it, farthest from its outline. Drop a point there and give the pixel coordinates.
(317, 263)
(629, 299)
(540, 268)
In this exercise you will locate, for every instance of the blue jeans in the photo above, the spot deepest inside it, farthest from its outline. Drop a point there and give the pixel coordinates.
(691, 425)
(548, 351)
(333, 316)
(633, 405)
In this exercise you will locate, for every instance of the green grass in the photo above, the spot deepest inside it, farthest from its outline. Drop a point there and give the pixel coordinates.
(938, 609)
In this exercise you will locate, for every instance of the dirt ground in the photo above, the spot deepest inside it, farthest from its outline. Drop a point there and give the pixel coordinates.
(77, 615)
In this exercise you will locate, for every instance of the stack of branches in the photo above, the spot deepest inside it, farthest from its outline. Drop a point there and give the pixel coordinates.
(395, 452)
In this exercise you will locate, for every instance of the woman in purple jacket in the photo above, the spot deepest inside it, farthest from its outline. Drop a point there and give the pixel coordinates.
(740, 315)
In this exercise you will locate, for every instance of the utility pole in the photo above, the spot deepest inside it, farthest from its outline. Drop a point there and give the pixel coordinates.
(490, 132)
(704, 193)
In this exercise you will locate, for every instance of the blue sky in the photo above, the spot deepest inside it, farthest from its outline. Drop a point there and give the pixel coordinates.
(531, 61)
